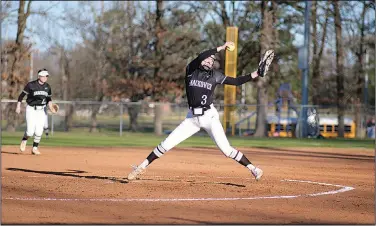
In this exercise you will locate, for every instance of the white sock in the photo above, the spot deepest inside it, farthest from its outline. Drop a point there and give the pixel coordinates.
(144, 164)
(251, 167)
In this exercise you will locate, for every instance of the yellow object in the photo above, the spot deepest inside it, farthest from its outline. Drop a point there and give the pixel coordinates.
(328, 128)
(231, 48)
(230, 91)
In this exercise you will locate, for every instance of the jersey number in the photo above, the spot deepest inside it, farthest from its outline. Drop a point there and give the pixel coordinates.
(43, 101)
(204, 97)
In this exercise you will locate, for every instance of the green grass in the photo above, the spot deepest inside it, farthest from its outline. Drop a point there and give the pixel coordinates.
(112, 139)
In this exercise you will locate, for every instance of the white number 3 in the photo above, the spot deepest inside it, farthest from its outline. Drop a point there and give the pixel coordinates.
(204, 97)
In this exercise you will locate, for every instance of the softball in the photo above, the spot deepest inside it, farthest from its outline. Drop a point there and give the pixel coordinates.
(231, 47)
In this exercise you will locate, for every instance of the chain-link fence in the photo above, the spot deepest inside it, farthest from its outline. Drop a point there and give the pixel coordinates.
(140, 116)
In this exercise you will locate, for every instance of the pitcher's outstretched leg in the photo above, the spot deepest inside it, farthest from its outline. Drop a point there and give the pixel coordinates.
(217, 133)
(186, 129)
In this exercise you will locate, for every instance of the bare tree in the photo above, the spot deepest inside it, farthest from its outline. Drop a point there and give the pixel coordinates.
(20, 51)
(340, 68)
(267, 41)
(99, 48)
(318, 49)
(63, 80)
(153, 64)
(360, 51)
(5, 10)
(159, 34)
(67, 88)
(88, 60)
(249, 27)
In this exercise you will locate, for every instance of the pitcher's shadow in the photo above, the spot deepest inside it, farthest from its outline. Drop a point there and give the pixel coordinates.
(70, 173)
(11, 153)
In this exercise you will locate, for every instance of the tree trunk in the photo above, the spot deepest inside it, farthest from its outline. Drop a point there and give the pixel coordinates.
(67, 90)
(359, 75)
(225, 18)
(94, 123)
(158, 117)
(133, 113)
(266, 42)
(340, 68)
(69, 117)
(358, 119)
(262, 110)
(317, 53)
(15, 79)
(98, 79)
(159, 59)
(93, 119)
(158, 36)
(315, 70)
(94, 111)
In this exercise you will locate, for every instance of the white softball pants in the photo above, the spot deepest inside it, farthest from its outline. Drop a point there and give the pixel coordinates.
(35, 120)
(192, 124)
(46, 119)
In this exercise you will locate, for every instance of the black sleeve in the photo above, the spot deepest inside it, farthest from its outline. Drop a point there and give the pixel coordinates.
(194, 64)
(21, 96)
(237, 81)
(219, 77)
(25, 91)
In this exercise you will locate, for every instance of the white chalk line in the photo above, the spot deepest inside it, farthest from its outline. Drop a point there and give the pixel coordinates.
(342, 189)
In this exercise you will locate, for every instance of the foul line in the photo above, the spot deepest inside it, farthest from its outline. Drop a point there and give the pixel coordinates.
(342, 189)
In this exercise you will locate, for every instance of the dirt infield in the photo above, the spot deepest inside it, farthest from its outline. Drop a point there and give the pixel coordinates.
(188, 186)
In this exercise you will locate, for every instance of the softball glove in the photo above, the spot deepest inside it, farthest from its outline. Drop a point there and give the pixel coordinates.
(54, 108)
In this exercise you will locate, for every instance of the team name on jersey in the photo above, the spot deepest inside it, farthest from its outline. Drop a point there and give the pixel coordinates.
(200, 84)
(40, 93)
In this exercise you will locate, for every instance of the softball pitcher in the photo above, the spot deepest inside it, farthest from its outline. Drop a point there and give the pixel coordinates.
(38, 96)
(200, 81)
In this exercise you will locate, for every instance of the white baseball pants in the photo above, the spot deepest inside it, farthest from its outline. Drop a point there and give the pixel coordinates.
(192, 124)
(35, 120)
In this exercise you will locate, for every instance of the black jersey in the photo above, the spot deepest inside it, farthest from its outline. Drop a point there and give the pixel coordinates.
(200, 86)
(200, 83)
(37, 94)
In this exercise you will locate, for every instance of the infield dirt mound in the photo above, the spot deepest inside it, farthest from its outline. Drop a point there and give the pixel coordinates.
(186, 186)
